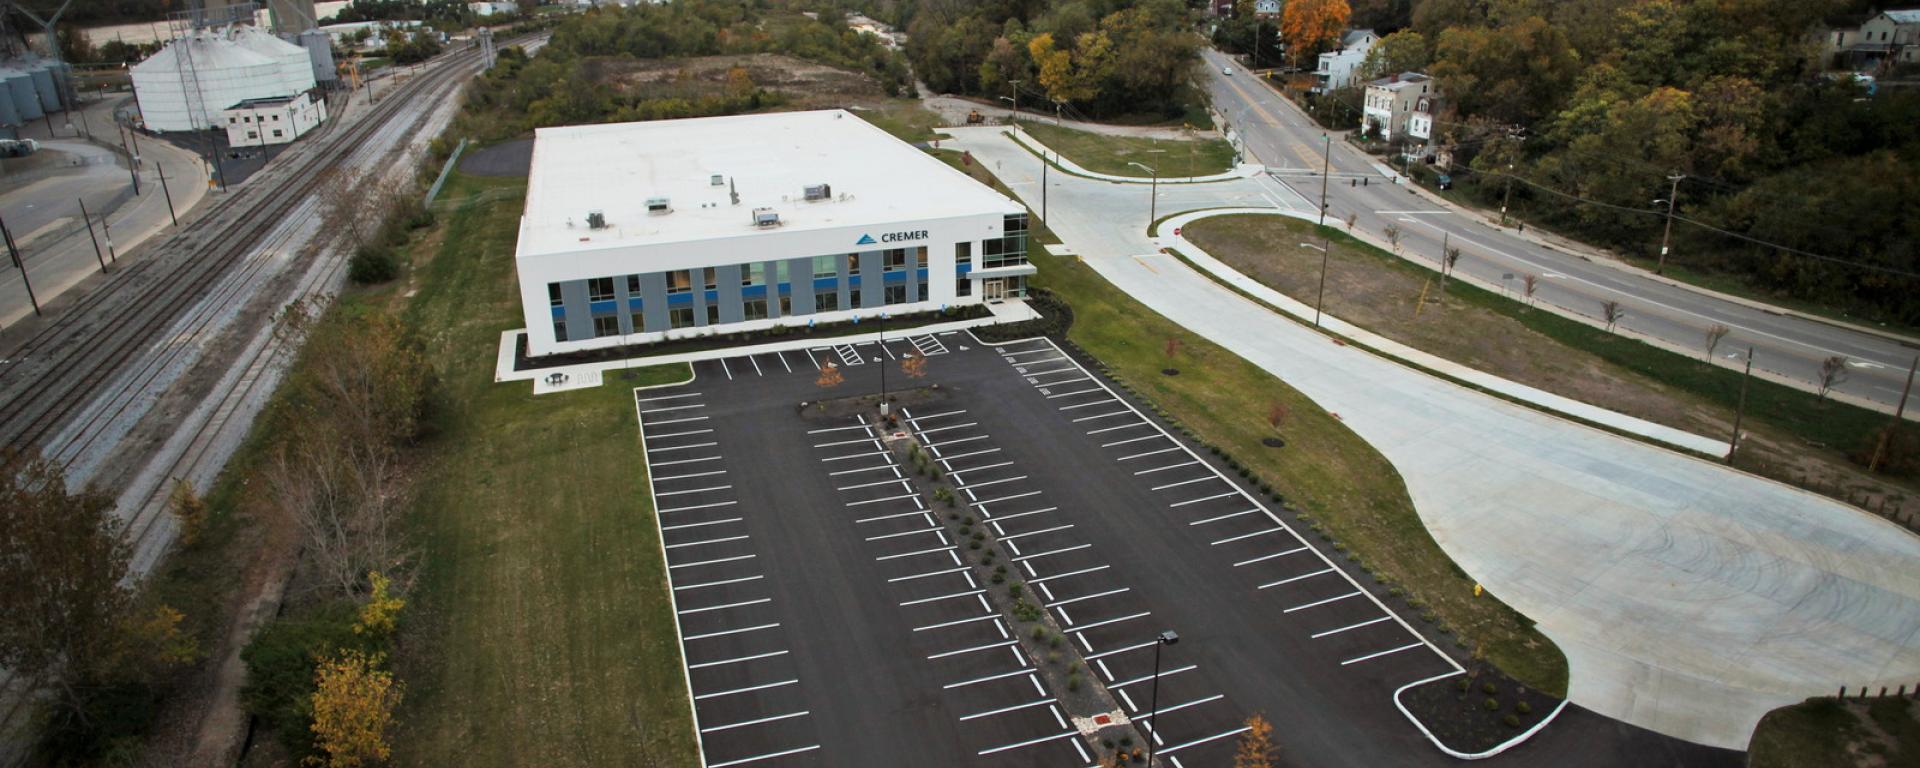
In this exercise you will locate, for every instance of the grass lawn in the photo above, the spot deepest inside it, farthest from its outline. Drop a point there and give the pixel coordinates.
(539, 632)
(1824, 733)
(904, 118)
(1793, 435)
(1350, 490)
(1111, 154)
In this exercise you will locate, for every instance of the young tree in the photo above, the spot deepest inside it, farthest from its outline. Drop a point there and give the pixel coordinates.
(1392, 231)
(1833, 373)
(1172, 348)
(1277, 414)
(1309, 25)
(914, 366)
(353, 704)
(1528, 284)
(1448, 259)
(1611, 311)
(1351, 218)
(830, 377)
(1715, 333)
(1256, 748)
(188, 510)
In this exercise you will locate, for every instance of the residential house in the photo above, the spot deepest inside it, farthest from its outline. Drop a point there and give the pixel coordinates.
(1892, 37)
(1266, 9)
(1390, 102)
(493, 8)
(1337, 67)
(1222, 8)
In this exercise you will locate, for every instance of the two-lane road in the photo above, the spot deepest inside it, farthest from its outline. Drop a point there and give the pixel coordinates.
(1276, 133)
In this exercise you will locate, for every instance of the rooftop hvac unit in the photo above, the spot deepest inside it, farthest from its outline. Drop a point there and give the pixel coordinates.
(766, 217)
(718, 180)
(819, 192)
(658, 206)
(596, 219)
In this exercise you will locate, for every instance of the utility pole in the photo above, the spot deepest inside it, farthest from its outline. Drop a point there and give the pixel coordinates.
(883, 349)
(1674, 194)
(1153, 710)
(106, 229)
(1899, 411)
(1326, 167)
(96, 240)
(1740, 413)
(1446, 239)
(1153, 193)
(1507, 197)
(1043, 186)
(14, 251)
(169, 195)
(1326, 251)
(132, 154)
(1013, 87)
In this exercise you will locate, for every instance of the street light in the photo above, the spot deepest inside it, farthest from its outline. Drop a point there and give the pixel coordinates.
(1326, 167)
(1661, 266)
(1153, 708)
(1153, 193)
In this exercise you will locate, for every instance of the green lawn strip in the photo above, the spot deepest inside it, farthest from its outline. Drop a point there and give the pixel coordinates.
(1825, 733)
(540, 629)
(905, 119)
(1800, 414)
(1347, 487)
(1101, 153)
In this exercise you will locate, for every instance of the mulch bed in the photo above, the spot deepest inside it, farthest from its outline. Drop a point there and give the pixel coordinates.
(1460, 718)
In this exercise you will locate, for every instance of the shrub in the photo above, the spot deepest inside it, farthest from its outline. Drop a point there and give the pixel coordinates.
(1512, 721)
(1073, 684)
(1014, 589)
(372, 264)
(1491, 704)
(1039, 633)
(1000, 569)
(281, 660)
(1523, 707)
(1489, 688)
(1463, 684)
(975, 544)
(1026, 611)
(997, 578)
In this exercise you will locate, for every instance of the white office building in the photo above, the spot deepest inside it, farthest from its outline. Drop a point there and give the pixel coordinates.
(639, 232)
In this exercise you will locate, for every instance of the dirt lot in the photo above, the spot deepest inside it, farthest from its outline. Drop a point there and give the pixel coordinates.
(808, 85)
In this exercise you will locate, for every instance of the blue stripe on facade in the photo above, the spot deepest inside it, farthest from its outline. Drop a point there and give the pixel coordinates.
(680, 299)
(559, 313)
(603, 307)
(753, 292)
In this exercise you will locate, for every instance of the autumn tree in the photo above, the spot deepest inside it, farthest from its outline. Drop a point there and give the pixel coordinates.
(1309, 26)
(1256, 748)
(914, 366)
(1514, 74)
(1392, 231)
(188, 509)
(1833, 373)
(830, 377)
(1715, 333)
(353, 705)
(1277, 414)
(739, 83)
(1403, 51)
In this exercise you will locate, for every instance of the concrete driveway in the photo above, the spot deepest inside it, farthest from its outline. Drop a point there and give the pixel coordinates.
(1689, 598)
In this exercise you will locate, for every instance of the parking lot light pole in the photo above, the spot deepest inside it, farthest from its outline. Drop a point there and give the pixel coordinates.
(1326, 166)
(1153, 707)
(883, 366)
(1153, 193)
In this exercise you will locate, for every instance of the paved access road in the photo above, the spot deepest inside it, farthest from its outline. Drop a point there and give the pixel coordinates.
(827, 617)
(1278, 134)
(1688, 597)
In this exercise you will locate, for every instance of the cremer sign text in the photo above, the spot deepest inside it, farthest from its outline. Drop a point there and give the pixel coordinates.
(901, 237)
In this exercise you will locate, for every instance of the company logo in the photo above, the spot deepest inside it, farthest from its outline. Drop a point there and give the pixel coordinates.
(893, 237)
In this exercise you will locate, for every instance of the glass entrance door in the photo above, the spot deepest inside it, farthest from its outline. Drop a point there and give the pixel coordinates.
(995, 289)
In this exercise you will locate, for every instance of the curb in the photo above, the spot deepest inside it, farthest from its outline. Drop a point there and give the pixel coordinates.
(1456, 754)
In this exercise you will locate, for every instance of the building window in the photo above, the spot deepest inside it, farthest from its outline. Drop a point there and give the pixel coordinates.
(853, 299)
(963, 287)
(962, 253)
(276, 133)
(253, 134)
(559, 329)
(233, 121)
(713, 279)
(1016, 224)
(679, 281)
(786, 306)
(600, 289)
(755, 309)
(853, 263)
(680, 317)
(606, 325)
(713, 314)
(639, 321)
(826, 301)
(753, 274)
(276, 118)
(895, 294)
(633, 285)
(826, 266)
(895, 259)
(553, 294)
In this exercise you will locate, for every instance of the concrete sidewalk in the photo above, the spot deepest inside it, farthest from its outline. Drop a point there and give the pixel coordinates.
(1689, 598)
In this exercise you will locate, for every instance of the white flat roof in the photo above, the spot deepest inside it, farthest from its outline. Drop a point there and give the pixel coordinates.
(876, 179)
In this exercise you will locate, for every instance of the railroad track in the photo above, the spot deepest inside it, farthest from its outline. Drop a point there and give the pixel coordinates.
(60, 368)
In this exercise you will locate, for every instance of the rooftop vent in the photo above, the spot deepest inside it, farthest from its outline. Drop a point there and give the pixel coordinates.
(596, 219)
(659, 206)
(766, 217)
(819, 192)
(718, 180)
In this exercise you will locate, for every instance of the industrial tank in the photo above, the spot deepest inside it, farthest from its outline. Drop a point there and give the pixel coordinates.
(26, 100)
(9, 114)
(226, 72)
(43, 85)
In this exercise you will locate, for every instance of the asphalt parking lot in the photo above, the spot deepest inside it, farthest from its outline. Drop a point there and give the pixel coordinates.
(827, 618)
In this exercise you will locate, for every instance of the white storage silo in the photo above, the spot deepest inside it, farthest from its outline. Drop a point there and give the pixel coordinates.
(26, 100)
(296, 65)
(43, 85)
(9, 115)
(226, 72)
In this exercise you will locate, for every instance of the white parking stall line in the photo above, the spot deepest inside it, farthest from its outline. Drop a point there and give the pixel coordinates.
(1101, 416)
(1187, 482)
(658, 464)
(1117, 651)
(696, 474)
(1036, 533)
(1367, 623)
(710, 562)
(682, 434)
(1061, 550)
(1228, 516)
(874, 468)
(754, 657)
(1068, 369)
(891, 517)
(959, 487)
(957, 622)
(1389, 651)
(1283, 553)
(968, 593)
(1005, 498)
(874, 440)
(758, 758)
(952, 471)
(1145, 678)
(988, 678)
(1301, 577)
(924, 575)
(1198, 742)
(876, 501)
(1178, 707)
(722, 540)
(1104, 622)
(1071, 600)
(719, 583)
(731, 726)
(1036, 361)
(836, 429)
(783, 361)
(933, 529)
(1075, 392)
(812, 359)
(724, 607)
(1045, 579)
(943, 414)
(681, 447)
(1038, 350)
(1122, 426)
(727, 370)
(958, 456)
(888, 351)
(696, 490)
(664, 409)
(1028, 742)
(895, 481)
(1167, 467)
(1136, 440)
(1017, 515)
(1245, 536)
(665, 397)
(725, 632)
(1093, 402)
(1317, 603)
(1059, 383)
(916, 552)
(975, 649)
(665, 422)
(1203, 498)
(853, 456)
(699, 506)
(943, 429)
(697, 525)
(1004, 710)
